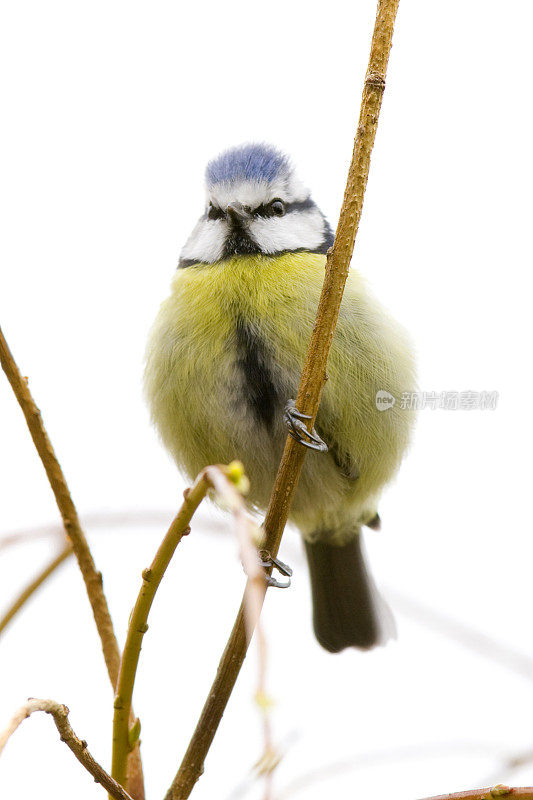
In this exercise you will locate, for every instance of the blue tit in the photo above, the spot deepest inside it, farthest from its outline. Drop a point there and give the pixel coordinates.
(225, 356)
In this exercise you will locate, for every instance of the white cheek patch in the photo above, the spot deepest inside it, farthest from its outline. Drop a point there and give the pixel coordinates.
(206, 242)
(297, 229)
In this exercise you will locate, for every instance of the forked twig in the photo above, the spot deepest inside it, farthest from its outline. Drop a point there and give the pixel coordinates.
(311, 385)
(67, 509)
(78, 746)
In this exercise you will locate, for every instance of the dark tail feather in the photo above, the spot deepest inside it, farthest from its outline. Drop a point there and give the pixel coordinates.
(348, 611)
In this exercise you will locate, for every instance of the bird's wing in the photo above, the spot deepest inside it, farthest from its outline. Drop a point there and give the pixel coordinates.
(343, 460)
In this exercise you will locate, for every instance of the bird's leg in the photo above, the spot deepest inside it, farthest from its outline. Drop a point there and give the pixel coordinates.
(294, 420)
(267, 560)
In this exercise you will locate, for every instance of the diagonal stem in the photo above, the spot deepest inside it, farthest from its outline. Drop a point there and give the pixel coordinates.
(32, 587)
(75, 534)
(78, 746)
(311, 385)
(228, 482)
(137, 627)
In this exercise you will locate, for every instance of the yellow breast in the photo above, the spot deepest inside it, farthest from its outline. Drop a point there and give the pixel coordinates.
(195, 388)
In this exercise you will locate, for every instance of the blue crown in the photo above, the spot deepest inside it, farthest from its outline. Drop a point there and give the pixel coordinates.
(248, 162)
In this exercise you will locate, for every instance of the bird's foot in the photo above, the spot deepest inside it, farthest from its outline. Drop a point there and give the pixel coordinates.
(269, 561)
(294, 420)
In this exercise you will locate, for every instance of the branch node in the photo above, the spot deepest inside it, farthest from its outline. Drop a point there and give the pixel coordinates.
(126, 729)
(375, 80)
(134, 733)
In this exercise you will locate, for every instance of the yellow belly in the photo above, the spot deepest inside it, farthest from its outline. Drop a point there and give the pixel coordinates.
(200, 395)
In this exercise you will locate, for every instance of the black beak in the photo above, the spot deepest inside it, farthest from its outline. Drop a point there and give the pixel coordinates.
(237, 214)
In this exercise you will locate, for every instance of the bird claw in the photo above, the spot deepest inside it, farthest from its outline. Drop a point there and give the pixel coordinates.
(268, 561)
(293, 419)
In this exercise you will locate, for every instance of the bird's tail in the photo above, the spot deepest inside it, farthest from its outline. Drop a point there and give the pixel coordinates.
(348, 610)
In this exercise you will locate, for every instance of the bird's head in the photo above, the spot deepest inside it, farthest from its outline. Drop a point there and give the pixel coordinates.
(255, 205)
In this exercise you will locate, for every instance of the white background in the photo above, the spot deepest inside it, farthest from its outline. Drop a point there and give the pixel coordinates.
(110, 112)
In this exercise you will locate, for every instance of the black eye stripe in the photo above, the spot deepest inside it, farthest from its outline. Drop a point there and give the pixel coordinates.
(298, 205)
(264, 210)
(213, 212)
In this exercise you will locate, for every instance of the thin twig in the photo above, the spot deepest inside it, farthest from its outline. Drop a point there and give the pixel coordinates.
(373, 759)
(137, 518)
(137, 627)
(463, 634)
(248, 535)
(119, 518)
(78, 746)
(226, 481)
(525, 793)
(32, 587)
(67, 509)
(309, 393)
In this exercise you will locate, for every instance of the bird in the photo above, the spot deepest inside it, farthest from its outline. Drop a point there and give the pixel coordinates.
(222, 369)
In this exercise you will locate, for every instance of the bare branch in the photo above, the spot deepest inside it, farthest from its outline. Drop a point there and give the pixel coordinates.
(525, 793)
(65, 504)
(309, 393)
(92, 578)
(227, 483)
(137, 627)
(78, 746)
(32, 587)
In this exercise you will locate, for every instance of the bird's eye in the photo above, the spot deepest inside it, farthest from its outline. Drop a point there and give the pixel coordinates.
(214, 213)
(277, 207)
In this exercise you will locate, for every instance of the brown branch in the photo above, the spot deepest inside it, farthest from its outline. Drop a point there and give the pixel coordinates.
(311, 385)
(78, 746)
(525, 793)
(228, 483)
(118, 518)
(138, 623)
(32, 587)
(67, 509)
